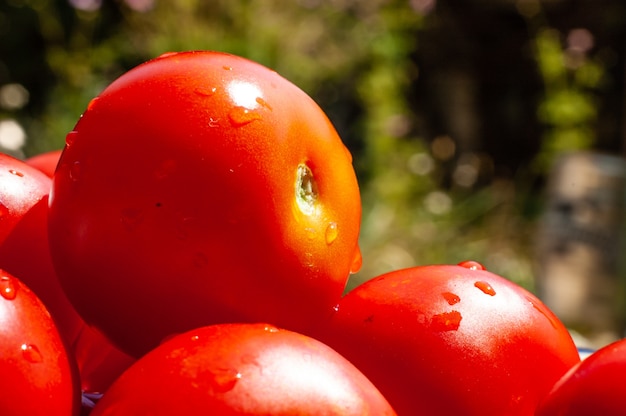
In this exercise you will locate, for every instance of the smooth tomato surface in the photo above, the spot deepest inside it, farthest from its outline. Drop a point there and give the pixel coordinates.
(595, 386)
(201, 188)
(242, 369)
(37, 377)
(452, 340)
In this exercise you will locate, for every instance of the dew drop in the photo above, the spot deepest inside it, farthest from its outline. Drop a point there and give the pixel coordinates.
(131, 218)
(446, 321)
(357, 261)
(472, 265)
(75, 171)
(92, 103)
(539, 307)
(227, 68)
(166, 54)
(336, 308)
(331, 233)
(224, 380)
(70, 138)
(31, 353)
(205, 92)
(7, 287)
(263, 103)
(16, 173)
(270, 328)
(485, 288)
(240, 116)
(451, 298)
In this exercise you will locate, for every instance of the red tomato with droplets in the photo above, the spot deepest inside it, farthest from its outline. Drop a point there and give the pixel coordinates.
(201, 188)
(242, 369)
(452, 340)
(593, 387)
(37, 375)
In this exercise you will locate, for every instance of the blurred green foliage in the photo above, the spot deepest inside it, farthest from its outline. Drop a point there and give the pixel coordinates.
(383, 70)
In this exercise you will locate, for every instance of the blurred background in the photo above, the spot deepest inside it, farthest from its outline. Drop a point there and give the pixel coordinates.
(490, 130)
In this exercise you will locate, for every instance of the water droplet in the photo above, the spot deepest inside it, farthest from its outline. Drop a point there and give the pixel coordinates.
(165, 169)
(240, 116)
(75, 171)
(336, 308)
(70, 138)
(485, 288)
(331, 233)
(263, 103)
(31, 353)
(200, 260)
(451, 298)
(472, 265)
(225, 379)
(131, 218)
(7, 287)
(227, 68)
(357, 261)
(539, 307)
(92, 102)
(270, 328)
(16, 173)
(205, 92)
(306, 189)
(446, 321)
(166, 54)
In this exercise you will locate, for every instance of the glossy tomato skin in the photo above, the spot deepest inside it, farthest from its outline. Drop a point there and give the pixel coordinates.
(21, 187)
(243, 369)
(595, 386)
(46, 162)
(38, 377)
(201, 188)
(447, 340)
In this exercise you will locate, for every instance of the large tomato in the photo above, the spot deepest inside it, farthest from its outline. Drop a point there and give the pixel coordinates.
(36, 375)
(452, 340)
(242, 369)
(201, 188)
(595, 386)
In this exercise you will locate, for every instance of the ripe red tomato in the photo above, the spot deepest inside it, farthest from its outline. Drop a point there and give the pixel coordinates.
(37, 377)
(594, 386)
(45, 162)
(201, 188)
(452, 340)
(21, 187)
(242, 369)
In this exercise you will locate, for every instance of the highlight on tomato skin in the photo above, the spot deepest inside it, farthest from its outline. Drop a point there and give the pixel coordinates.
(220, 192)
(243, 369)
(452, 339)
(38, 375)
(595, 386)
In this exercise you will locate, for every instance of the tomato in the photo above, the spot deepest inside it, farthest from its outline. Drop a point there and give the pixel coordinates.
(21, 187)
(242, 369)
(201, 188)
(446, 340)
(594, 386)
(45, 162)
(37, 378)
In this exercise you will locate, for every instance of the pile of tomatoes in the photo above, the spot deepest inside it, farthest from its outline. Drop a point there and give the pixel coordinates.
(187, 253)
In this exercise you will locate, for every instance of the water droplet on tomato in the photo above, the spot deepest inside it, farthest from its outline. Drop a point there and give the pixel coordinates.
(240, 116)
(70, 138)
(332, 232)
(131, 218)
(542, 310)
(472, 265)
(227, 68)
(451, 298)
(357, 261)
(263, 103)
(166, 54)
(336, 308)
(225, 379)
(446, 321)
(75, 171)
(92, 102)
(31, 353)
(16, 173)
(7, 287)
(485, 288)
(205, 92)
(270, 328)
